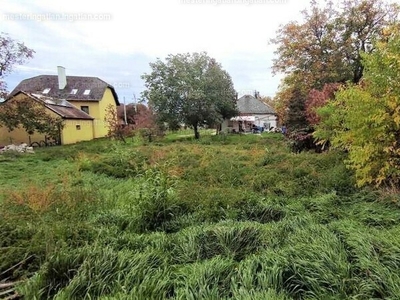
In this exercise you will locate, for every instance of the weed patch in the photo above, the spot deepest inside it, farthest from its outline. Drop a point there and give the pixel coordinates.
(223, 217)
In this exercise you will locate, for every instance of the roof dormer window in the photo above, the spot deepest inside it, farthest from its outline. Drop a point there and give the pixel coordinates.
(46, 91)
(74, 91)
(86, 92)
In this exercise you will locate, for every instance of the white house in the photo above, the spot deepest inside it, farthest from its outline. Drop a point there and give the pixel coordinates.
(252, 111)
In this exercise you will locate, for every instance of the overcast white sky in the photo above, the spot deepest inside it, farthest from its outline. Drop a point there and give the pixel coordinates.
(116, 40)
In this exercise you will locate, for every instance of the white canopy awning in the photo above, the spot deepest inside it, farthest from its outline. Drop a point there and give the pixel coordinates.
(244, 118)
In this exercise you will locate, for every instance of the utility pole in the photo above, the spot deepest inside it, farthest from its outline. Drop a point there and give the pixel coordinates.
(126, 121)
(134, 98)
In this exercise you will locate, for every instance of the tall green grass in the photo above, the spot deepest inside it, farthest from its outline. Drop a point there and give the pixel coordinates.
(223, 217)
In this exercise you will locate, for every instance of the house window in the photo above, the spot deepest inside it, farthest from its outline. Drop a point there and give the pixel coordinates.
(78, 127)
(46, 91)
(85, 109)
(230, 123)
(86, 92)
(74, 91)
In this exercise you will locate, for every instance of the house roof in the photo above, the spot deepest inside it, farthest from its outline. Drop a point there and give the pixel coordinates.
(248, 104)
(73, 91)
(59, 106)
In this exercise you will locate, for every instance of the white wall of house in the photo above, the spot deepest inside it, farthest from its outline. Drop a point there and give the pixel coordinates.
(267, 121)
(228, 126)
(262, 120)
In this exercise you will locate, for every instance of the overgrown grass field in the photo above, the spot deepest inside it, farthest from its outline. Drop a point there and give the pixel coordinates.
(225, 217)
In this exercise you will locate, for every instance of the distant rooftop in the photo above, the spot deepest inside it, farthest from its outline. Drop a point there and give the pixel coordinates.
(248, 104)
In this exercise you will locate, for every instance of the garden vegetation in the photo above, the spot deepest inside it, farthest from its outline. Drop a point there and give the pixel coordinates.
(224, 217)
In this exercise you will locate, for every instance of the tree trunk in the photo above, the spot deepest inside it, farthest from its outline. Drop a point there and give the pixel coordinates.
(196, 132)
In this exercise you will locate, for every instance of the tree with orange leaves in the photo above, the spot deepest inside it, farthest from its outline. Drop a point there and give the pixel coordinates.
(327, 46)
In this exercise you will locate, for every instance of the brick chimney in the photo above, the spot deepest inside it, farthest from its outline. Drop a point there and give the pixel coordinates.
(62, 78)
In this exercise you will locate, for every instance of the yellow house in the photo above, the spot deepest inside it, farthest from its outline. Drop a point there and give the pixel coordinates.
(77, 125)
(80, 101)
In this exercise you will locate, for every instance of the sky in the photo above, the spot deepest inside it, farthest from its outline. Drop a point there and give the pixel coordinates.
(116, 40)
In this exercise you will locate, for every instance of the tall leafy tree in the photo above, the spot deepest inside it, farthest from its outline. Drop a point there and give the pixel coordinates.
(290, 101)
(190, 88)
(12, 53)
(296, 117)
(307, 51)
(327, 46)
(359, 24)
(364, 119)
